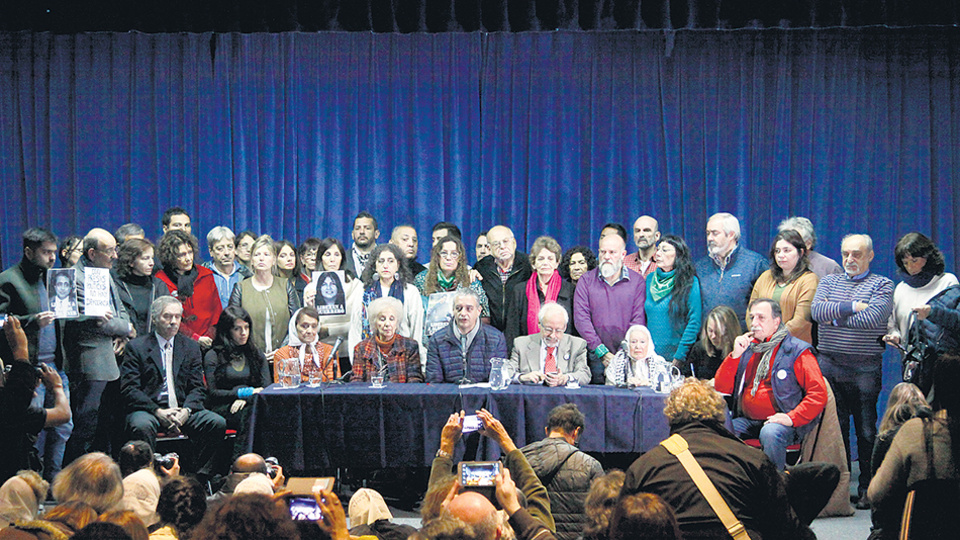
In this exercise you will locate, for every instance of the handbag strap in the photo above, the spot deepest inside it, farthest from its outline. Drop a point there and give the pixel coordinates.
(677, 446)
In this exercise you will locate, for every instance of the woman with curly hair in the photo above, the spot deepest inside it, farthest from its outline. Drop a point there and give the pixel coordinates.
(576, 262)
(192, 284)
(447, 272)
(234, 370)
(181, 507)
(386, 275)
(790, 283)
(672, 304)
(138, 286)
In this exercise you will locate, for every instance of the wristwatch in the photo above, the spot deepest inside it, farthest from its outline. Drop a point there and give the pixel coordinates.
(442, 453)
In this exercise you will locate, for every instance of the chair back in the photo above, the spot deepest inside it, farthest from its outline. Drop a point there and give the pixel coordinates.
(932, 511)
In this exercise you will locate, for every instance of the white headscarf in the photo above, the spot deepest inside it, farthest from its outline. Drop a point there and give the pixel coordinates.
(303, 348)
(141, 493)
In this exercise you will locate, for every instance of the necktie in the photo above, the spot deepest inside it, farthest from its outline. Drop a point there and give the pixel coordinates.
(550, 366)
(168, 363)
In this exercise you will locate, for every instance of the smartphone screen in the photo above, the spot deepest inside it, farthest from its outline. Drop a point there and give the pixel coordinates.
(3, 319)
(471, 423)
(304, 509)
(478, 473)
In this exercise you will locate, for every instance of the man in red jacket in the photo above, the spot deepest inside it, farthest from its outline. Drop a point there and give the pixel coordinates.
(775, 381)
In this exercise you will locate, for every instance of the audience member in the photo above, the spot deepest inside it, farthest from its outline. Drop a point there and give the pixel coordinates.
(23, 296)
(227, 269)
(442, 229)
(387, 276)
(923, 457)
(716, 341)
(369, 516)
(93, 479)
(551, 356)
(564, 470)
(482, 248)
(790, 282)
(405, 238)
(777, 388)
(89, 354)
(599, 504)
(102, 531)
(193, 285)
(576, 262)
(244, 467)
(141, 486)
(544, 285)
(234, 370)
(162, 386)
(672, 306)
(332, 327)
(447, 271)
(636, 362)
(921, 264)
(386, 353)
(181, 507)
(270, 300)
(501, 272)
(20, 497)
(248, 517)
(365, 233)
(852, 310)
(746, 479)
(176, 219)
(643, 516)
(57, 523)
(906, 402)
(608, 301)
(315, 358)
(244, 245)
(461, 352)
(820, 264)
(127, 231)
(70, 250)
(646, 235)
(728, 271)
(129, 521)
(138, 286)
(475, 510)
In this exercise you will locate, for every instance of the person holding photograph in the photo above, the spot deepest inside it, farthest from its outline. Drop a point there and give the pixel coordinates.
(63, 300)
(447, 272)
(331, 254)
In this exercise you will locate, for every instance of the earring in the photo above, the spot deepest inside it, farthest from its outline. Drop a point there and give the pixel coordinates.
(396, 276)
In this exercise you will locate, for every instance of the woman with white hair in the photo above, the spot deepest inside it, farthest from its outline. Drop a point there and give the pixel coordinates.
(636, 360)
(386, 352)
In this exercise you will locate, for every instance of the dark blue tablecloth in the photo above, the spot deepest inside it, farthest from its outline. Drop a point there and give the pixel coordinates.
(353, 425)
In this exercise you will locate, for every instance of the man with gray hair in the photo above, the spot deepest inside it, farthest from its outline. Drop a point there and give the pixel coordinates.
(852, 310)
(227, 270)
(728, 271)
(162, 385)
(461, 352)
(551, 356)
(820, 264)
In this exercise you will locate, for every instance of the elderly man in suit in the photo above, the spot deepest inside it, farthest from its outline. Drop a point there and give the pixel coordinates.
(161, 380)
(551, 356)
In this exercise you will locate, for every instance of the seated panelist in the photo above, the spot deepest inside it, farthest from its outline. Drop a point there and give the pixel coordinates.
(386, 351)
(551, 356)
(461, 352)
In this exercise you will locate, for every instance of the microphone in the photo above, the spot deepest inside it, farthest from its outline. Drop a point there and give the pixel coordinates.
(333, 352)
(345, 378)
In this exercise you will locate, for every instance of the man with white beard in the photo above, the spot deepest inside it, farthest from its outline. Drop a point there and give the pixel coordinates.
(609, 300)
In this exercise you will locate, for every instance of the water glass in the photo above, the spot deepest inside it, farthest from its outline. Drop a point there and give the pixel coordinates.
(316, 377)
(377, 381)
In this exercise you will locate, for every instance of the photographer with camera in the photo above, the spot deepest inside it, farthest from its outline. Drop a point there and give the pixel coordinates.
(471, 512)
(19, 421)
(142, 471)
(266, 471)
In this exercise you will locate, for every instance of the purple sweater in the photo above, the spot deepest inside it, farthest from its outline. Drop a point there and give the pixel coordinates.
(602, 313)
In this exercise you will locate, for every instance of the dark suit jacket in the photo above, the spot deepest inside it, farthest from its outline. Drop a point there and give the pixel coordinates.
(517, 305)
(571, 356)
(141, 375)
(18, 297)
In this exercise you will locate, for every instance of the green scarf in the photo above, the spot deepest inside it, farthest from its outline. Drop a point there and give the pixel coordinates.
(662, 284)
(445, 283)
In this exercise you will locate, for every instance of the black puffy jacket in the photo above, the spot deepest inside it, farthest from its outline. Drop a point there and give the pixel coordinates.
(566, 472)
(942, 327)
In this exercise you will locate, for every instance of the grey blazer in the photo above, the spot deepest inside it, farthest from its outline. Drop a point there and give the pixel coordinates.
(88, 345)
(571, 356)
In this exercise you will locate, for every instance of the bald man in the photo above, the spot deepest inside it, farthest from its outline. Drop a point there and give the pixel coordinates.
(646, 234)
(405, 238)
(88, 353)
(500, 272)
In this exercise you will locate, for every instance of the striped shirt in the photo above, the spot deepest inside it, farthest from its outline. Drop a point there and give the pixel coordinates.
(843, 331)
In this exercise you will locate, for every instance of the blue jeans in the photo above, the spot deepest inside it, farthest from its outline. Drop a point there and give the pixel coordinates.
(51, 442)
(775, 438)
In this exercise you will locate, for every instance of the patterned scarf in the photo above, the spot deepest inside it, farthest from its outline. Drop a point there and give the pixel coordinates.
(766, 349)
(373, 292)
(661, 285)
(533, 298)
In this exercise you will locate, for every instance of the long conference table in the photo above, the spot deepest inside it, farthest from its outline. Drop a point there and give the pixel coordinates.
(355, 425)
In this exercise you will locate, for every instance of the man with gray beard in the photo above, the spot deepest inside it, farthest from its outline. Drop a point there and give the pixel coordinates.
(609, 300)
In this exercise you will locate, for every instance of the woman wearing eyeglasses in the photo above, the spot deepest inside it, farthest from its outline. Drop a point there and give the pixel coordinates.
(447, 272)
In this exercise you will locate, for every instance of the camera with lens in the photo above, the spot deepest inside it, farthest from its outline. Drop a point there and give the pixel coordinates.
(165, 461)
(273, 466)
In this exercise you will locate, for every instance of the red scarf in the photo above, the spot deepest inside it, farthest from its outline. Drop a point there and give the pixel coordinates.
(533, 299)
